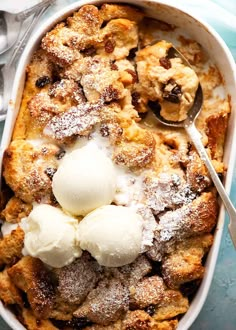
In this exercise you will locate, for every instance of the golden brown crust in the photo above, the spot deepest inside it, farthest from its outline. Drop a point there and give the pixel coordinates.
(114, 326)
(33, 323)
(167, 325)
(196, 173)
(117, 33)
(31, 276)
(172, 305)
(148, 291)
(137, 150)
(62, 310)
(106, 303)
(25, 169)
(9, 293)
(79, 32)
(86, 79)
(216, 128)
(194, 218)
(76, 280)
(15, 210)
(11, 246)
(140, 320)
(112, 11)
(204, 211)
(137, 320)
(184, 264)
(39, 67)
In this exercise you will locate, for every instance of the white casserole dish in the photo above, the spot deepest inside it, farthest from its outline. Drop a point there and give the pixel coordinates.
(220, 54)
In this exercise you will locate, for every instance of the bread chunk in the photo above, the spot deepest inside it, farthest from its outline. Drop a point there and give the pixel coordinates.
(105, 304)
(140, 320)
(185, 263)
(78, 279)
(25, 170)
(15, 210)
(112, 11)
(11, 247)
(31, 276)
(9, 293)
(148, 291)
(33, 323)
(172, 305)
(98, 77)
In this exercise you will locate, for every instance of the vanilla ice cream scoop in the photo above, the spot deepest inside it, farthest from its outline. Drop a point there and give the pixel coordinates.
(50, 235)
(112, 234)
(84, 180)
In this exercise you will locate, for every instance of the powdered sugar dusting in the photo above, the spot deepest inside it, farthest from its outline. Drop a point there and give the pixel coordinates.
(76, 121)
(166, 191)
(149, 226)
(174, 224)
(78, 279)
(106, 303)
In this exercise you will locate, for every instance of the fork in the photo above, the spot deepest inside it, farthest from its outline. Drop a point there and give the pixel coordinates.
(7, 71)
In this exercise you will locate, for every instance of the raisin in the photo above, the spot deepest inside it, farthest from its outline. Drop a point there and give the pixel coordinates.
(119, 159)
(165, 62)
(113, 66)
(135, 99)
(90, 51)
(80, 323)
(200, 178)
(110, 94)
(132, 53)
(155, 107)
(75, 323)
(172, 95)
(42, 81)
(150, 310)
(104, 130)
(110, 46)
(50, 172)
(133, 74)
(60, 154)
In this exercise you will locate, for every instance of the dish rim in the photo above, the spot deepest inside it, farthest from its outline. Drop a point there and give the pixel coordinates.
(16, 95)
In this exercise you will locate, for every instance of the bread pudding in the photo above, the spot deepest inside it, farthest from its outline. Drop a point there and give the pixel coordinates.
(107, 216)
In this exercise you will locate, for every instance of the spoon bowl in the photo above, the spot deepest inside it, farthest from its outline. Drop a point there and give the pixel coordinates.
(189, 125)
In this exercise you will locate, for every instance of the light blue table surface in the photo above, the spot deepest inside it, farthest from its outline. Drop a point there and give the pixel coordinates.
(219, 310)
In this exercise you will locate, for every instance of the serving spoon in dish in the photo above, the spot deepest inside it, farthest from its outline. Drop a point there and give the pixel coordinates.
(189, 125)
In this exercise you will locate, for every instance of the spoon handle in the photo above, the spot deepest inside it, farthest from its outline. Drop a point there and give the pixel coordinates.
(21, 16)
(195, 137)
(9, 68)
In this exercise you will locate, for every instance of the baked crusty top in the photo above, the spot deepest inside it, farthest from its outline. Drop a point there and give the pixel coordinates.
(98, 73)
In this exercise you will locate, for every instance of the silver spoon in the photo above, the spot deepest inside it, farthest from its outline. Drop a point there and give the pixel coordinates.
(7, 70)
(10, 24)
(3, 32)
(189, 125)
